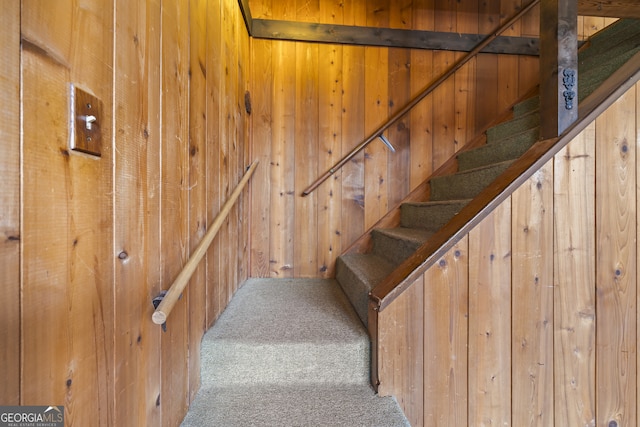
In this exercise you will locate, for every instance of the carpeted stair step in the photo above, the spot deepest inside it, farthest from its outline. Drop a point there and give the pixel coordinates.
(288, 352)
(613, 34)
(317, 406)
(357, 274)
(429, 215)
(616, 49)
(527, 106)
(466, 184)
(508, 149)
(590, 79)
(397, 244)
(516, 125)
(272, 327)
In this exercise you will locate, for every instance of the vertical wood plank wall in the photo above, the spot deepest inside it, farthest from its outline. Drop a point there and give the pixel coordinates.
(10, 201)
(532, 319)
(317, 102)
(100, 237)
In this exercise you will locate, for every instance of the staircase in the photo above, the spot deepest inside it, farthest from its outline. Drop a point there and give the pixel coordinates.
(289, 352)
(293, 352)
(359, 273)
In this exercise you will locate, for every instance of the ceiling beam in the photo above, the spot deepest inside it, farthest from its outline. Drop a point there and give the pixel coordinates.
(389, 37)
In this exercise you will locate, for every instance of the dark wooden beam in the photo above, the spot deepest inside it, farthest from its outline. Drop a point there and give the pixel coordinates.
(558, 66)
(610, 8)
(246, 14)
(389, 37)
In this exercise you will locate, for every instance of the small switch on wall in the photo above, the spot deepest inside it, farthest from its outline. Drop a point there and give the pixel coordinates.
(86, 120)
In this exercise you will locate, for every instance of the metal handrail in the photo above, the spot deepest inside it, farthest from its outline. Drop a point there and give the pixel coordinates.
(378, 132)
(161, 313)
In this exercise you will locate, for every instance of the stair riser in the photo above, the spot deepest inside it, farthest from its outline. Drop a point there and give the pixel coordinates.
(508, 129)
(430, 217)
(288, 364)
(465, 185)
(527, 106)
(509, 149)
(393, 249)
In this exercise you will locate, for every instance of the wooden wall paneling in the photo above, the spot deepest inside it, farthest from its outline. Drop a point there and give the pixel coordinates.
(262, 75)
(174, 204)
(398, 170)
(47, 289)
(421, 129)
(282, 202)
(329, 197)
(589, 25)
(377, 13)
(443, 95)
(574, 282)
(353, 133)
(401, 332)
(446, 334)
(306, 160)
(616, 293)
(487, 67)
(10, 201)
(136, 210)
(225, 147)
(307, 10)
(230, 144)
(376, 190)
(375, 154)
(400, 14)
(532, 301)
(260, 9)
(529, 66)
(244, 158)
(489, 306)
(198, 220)
(421, 123)
(214, 113)
(637, 278)
(508, 65)
(465, 80)
(67, 263)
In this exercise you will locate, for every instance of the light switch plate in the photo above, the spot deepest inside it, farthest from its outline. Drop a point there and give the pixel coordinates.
(86, 122)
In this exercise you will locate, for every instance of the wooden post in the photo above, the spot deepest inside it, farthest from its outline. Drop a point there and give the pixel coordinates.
(558, 66)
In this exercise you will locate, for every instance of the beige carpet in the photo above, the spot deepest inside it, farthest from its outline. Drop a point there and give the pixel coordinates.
(289, 353)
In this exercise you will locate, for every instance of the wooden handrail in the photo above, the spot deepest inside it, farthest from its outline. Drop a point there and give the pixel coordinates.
(166, 305)
(430, 88)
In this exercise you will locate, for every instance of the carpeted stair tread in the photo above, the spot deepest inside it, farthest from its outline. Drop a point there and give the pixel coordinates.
(466, 184)
(288, 352)
(272, 326)
(357, 275)
(319, 406)
(613, 34)
(429, 215)
(397, 244)
(590, 79)
(516, 125)
(508, 149)
(616, 49)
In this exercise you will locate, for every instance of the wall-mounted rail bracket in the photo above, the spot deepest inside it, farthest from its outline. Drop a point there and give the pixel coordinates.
(386, 142)
(156, 302)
